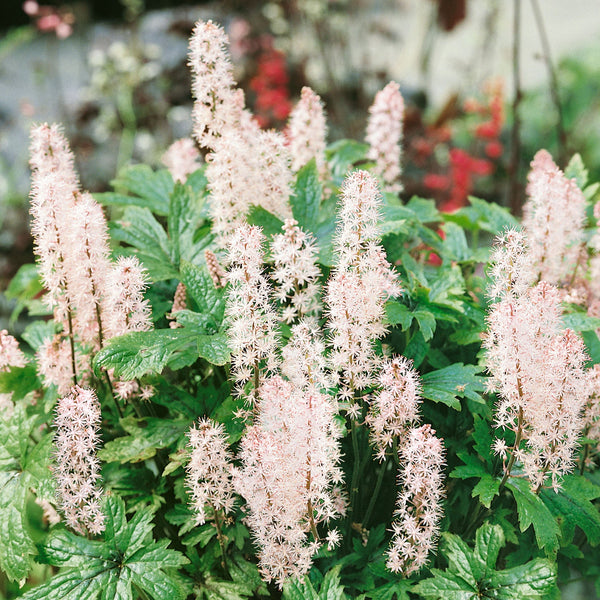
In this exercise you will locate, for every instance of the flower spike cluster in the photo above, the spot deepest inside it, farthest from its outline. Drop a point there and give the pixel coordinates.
(362, 281)
(252, 319)
(307, 132)
(384, 134)
(246, 166)
(537, 369)
(181, 158)
(289, 476)
(77, 469)
(395, 407)
(419, 505)
(553, 218)
(209, 472)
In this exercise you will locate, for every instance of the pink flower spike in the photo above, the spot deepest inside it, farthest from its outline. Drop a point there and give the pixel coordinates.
(181, 158)
(76, 467)
(307, 132)
(384, 135)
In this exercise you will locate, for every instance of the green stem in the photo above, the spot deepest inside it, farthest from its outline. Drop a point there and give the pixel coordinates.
(375, 494)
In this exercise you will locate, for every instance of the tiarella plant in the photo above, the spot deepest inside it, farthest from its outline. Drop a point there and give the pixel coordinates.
(266, 376)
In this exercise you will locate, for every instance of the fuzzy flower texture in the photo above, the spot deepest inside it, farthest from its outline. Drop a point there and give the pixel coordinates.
(77, 469)
(537, 370)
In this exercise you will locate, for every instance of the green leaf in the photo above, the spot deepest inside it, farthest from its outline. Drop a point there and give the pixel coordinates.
(489, 540)
(398, 314)
(453, 382)
(24, 287)
(425, 210)
(127, 558)
(140, 229)
(576, 170)
(213, 348)
(270, 224)
(306, 199)
(492, 217)
(330, 589)
(19, 380)
(183, 222)
(535, 579)
(201, 289)
(487, 489)
(580, 322)
(426, 321)
(572, 505)
(147, 436)
(532, 511)
(38, 332)
(460, 559)
(445, 586)
(151, 189)
(472, 574)
(483, 438)
(455, 243)
(341, 155)
(135, 354)
(16, 545)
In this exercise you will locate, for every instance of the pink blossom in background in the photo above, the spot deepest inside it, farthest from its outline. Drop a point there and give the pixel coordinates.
(181, 158)
(553, 218)
(307, 132)
(384, 135)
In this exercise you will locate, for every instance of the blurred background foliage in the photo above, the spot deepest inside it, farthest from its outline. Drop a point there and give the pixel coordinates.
(114, 72)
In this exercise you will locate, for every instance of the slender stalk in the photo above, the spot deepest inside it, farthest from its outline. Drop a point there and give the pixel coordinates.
(515, 154)
(562, 136)
(375, 494)
(72, 344)
(518, 438)
(220, 537)
(584, 457)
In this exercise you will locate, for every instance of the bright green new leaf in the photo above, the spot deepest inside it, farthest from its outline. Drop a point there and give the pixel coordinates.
(268, 222)
(146, 437)
(210, 302)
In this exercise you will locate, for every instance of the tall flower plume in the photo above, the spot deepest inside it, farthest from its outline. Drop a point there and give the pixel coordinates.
(54, 185)
(419, 506)
(553, 218)
(384, 134)
(209, 472)
(537, 369)
(307, 132)
(213, 84)
(76, 467)
(10, 353)
(289, 475)
(252, 319)
(361, 282)
(87, 260)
